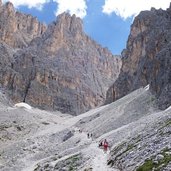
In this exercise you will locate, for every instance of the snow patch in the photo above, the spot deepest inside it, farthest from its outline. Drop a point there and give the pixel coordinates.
(168, 108)
(147, 87)
(23, 105)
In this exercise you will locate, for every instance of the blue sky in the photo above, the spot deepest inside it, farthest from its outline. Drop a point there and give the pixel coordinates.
(106, 21)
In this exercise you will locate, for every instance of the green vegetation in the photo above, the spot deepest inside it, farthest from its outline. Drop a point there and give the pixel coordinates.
(168, 122)
(74, 158)
(138, 139)
(73, 162)
(119, 148)
(149, 164)
(130, 147)
(151, 100)
(165, 124)
(123, 147)
(71, 168)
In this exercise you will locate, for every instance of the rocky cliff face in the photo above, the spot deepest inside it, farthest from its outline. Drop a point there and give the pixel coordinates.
(146, 59)
(17, 29)
(60, 69)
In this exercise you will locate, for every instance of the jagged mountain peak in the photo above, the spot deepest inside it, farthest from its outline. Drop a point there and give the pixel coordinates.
(9, 6)
(64, 69)
(18, 29)
(67, 30)
(69, 22)
(68, 26)
(61, 68)
(147, 57)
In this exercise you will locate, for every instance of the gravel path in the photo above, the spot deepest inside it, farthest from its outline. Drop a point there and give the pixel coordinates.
(34, 137)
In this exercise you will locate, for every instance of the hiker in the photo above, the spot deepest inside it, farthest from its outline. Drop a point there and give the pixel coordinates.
(100, 144)
(88, 135)
(105, 145)
(91, 135)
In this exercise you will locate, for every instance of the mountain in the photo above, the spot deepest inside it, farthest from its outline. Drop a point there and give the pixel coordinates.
(138, 134)
(17, 29)
(57, 67)
(147, 57)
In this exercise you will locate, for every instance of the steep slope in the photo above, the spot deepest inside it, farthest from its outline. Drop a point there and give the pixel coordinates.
(125, 110)
(63, 69)
(146, 59)
(34, 140)
(147, 147)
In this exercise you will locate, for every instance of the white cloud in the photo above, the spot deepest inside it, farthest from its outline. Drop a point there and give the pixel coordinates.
(77, 7)
(38, 4)
(128, 8)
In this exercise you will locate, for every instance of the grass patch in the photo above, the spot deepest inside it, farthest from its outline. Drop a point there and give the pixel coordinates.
(71, 168)
(124, 148)
(74, 158)
(165, 124)
(72, 161)
(147, 166)
(130, 147)
(119, 148)
(150, 165)
(151, 100)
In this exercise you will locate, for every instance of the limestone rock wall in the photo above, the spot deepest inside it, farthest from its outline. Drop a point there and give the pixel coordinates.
(146, 59)
(17, 29)
(61, 69)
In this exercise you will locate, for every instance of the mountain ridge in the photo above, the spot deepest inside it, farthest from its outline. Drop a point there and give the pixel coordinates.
(143, 60)
(61, 68)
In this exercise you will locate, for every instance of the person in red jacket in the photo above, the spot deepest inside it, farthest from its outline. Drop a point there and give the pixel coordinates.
(105, 145)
